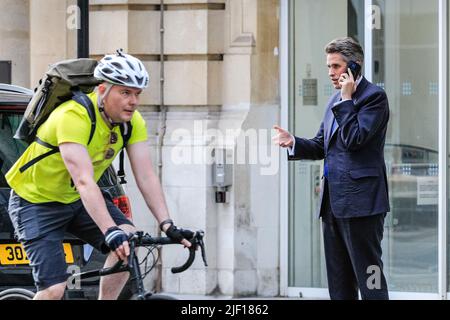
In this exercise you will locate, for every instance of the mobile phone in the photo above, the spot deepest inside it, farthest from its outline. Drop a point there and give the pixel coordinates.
(355, 68)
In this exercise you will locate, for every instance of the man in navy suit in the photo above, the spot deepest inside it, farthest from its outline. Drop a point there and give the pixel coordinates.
(354, 199)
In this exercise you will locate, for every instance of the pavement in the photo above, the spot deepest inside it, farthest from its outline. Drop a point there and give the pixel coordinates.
(224, 297)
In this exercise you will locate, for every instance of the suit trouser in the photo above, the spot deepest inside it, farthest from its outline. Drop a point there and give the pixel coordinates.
(353, 255)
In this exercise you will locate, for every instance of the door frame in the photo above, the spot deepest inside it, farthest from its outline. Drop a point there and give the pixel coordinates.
(443, 148)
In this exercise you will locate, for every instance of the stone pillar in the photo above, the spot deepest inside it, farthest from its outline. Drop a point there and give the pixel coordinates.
(15, 37)
(193, 94)
(250, 223)
(53, 32)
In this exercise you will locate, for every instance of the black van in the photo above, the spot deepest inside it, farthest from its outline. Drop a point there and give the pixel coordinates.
(16, 281)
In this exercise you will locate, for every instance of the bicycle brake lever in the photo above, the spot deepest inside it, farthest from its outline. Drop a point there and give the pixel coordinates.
(202, 247)
(201, 244)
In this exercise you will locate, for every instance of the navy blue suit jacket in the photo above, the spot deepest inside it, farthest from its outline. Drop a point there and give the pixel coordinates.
(354, 152)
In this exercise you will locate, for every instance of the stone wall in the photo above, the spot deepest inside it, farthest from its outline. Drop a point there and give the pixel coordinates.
(220, 75)
(15, 39)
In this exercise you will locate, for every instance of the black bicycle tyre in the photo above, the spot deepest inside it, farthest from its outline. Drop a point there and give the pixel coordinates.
(157, 296)
(16, 294)
(154, 296)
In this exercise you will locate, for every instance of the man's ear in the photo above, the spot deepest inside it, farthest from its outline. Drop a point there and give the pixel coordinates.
(101, 88)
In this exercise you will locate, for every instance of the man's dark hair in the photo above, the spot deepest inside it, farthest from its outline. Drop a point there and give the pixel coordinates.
(349, 48)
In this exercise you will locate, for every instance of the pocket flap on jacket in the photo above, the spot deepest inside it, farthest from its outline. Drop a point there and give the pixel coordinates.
(363, 173)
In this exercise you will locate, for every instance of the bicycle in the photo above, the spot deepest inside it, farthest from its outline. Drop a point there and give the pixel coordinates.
(139, 239)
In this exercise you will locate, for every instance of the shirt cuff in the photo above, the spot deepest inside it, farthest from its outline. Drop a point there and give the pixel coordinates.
(291, 149)
(343, 100)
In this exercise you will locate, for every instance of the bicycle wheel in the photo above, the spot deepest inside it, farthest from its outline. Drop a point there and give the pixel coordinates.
(16, 294)
(154, 296)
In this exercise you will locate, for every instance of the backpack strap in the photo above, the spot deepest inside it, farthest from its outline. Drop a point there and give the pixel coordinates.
(81, 98)
(53, 150)
(125, 130)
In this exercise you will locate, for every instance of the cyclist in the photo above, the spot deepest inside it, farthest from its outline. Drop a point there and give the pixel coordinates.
(60, 192)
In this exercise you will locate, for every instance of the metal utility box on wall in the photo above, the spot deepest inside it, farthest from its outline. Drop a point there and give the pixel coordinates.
(222, 175)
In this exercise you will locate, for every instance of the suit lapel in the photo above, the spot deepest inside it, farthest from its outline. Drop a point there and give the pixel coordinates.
(336, 126)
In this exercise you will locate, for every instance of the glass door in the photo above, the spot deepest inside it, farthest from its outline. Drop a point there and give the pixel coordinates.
(315, 23)
(401, 43)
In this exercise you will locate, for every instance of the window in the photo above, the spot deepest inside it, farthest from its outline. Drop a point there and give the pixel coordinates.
(10, 148)
(5, 72)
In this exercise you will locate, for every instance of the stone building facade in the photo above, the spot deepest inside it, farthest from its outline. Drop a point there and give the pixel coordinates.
(218, 82)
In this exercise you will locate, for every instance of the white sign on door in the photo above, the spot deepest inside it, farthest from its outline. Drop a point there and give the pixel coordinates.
(427, 191)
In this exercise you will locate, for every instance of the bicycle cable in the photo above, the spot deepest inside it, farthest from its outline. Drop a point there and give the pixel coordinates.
(145, 261)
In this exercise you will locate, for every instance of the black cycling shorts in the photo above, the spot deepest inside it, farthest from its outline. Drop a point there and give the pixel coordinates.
(41, 229)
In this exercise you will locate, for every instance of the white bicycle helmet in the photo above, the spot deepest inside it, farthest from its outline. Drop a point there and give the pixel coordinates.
(122, 69)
